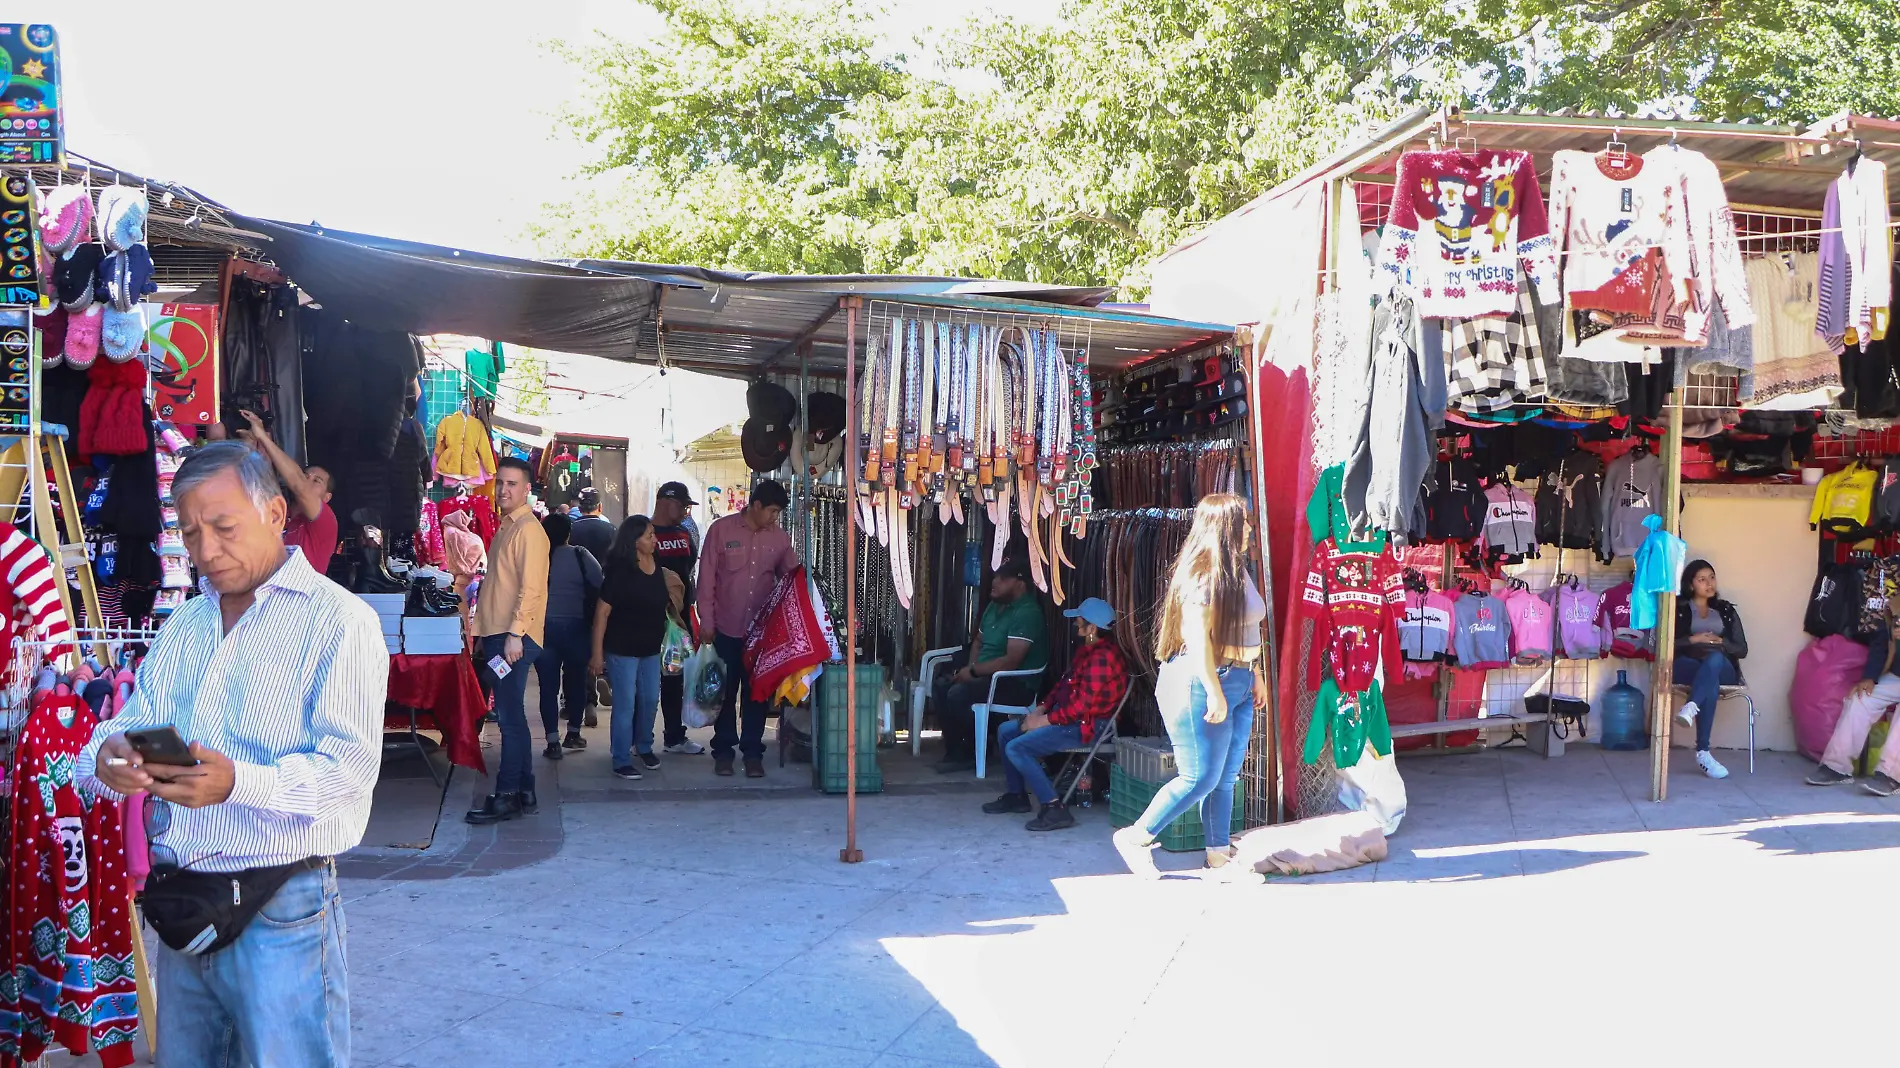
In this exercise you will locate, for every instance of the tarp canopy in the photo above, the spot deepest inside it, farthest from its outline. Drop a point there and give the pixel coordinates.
(427, 289)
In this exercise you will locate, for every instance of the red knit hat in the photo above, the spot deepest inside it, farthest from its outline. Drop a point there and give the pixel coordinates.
(112, 417)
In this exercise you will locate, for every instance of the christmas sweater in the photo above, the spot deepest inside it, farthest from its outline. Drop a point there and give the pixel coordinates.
(1623, 232)
(1459, 225)
(30, 576)
(69, 933)
(1355, 599)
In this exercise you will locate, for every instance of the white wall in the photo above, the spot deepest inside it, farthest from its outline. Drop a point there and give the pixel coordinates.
(1764, 555)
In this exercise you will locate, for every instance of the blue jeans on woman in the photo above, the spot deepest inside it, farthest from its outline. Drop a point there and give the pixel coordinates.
(636, 683)
(562, 671)
(279, 995)
(1705, 676)
(1025, 752)
(1207, 755)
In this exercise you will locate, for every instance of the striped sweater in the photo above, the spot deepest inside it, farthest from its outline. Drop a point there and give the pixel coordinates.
(31, 578)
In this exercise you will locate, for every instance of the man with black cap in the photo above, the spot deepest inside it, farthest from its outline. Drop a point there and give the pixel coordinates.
(746, 554)
(592, 531)
(1011, 636)
(676, 548)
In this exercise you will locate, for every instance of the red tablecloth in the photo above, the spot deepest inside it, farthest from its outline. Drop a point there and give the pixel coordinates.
(449, 699)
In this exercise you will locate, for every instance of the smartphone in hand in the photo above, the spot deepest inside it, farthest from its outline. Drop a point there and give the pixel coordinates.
(161, 745)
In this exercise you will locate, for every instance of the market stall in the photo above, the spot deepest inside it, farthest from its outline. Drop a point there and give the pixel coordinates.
(1505, 342)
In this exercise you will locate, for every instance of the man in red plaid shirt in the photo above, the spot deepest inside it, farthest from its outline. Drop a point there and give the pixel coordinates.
(1079, 705)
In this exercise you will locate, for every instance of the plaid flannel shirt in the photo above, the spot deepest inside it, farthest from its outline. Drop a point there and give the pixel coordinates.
(1496, 362)
(1088, 694)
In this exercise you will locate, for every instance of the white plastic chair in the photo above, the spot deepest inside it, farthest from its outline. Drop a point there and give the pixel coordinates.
(982, 712)
(920, 692)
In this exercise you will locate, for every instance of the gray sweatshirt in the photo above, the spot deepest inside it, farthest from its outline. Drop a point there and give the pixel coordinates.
(1480, 632)
(1385, 474)
(1632, 491)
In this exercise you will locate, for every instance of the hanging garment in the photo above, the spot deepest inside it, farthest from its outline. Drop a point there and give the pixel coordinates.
(1480, 632)
(1649, 387)
(1729, 348)
(1354, 600)
(1795, 370)
(1658, 571)
(463, 449)
(1578, 635)
(1495, 362)
(1862, 273)
(69, 924)
(1717, 279)
(1844, 501)
(30, 577)
(1886, 512)
(1632, 495)
(1570, 502)
(481, 515)
(1510, 522)
(1459, 225)
(1615, 619)
(1590, 383)
(1533, 631)
(1326, 514)
(1386, 473)
(1879, 586)
(1353, 721)
(1619, 224)
(1455, 508)
(1425, 628)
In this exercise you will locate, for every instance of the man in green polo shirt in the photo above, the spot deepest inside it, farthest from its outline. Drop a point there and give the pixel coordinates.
(1010, 637)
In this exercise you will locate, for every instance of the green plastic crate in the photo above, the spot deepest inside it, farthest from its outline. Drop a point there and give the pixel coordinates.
(1128, 798)
(828, 742)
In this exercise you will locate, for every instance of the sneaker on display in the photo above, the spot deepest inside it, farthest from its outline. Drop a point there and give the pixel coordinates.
(1710, 766)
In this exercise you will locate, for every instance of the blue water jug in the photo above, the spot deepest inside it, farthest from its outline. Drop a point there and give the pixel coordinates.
(1623, 713)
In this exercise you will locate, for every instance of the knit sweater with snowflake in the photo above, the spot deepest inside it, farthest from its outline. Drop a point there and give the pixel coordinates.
(71, 982)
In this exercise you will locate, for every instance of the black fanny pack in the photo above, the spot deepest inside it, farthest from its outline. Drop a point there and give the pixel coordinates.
(200, 912)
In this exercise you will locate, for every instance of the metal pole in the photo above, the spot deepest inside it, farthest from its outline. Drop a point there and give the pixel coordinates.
(851, 854)
(801, 479)
(1662, 676)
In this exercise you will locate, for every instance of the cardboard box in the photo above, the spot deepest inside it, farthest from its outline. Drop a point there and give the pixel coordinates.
(386, 604)
(183, 356)
(431, 645)
(432, 626)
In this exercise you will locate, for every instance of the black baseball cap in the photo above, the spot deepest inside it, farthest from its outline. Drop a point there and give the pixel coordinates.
(675, 491)
(588, 499)
(1015, 567)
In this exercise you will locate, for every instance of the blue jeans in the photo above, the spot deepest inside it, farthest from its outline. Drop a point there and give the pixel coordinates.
(1705, 676)
(516, 770)
(1024, 754)
(278, 997)
(562, 669)
(636, 683)
(727, 731)
(1207, 755)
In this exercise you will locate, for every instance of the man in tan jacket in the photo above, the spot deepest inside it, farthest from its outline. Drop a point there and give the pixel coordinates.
(510, 612)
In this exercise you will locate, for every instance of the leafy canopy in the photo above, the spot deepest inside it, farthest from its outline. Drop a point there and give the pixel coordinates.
(775, 137)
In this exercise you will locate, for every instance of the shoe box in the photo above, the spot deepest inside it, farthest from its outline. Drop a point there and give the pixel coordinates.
(432, 635)
(388, 608)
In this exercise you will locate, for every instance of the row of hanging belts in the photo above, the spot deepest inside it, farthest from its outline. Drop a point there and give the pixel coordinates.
(1170, 475)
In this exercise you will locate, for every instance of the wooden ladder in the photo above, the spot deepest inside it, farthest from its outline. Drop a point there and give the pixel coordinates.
(24, 488)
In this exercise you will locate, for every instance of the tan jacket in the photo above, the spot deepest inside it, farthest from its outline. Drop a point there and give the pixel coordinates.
(514, 596)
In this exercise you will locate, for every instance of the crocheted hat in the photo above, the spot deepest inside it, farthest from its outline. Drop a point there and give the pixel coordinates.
(75, 276)
(82, 336)
(65, 216)
(122, 212)
(126, 276)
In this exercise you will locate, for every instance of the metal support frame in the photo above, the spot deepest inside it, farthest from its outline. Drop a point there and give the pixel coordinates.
(850, 854)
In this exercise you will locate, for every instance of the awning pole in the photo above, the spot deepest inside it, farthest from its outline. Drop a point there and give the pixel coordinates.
(1662, 677)
(851, 854)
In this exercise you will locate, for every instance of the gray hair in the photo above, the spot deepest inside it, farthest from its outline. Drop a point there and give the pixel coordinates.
(254, 472)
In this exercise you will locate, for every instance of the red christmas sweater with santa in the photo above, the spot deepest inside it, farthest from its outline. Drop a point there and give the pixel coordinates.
(70, 935)
(1355, 600)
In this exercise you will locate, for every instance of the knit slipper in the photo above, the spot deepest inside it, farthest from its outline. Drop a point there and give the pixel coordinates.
(122, 212)
(52, 326)
(65, 216)
(123, 333)
(76, 277)
(122, 686)
(82, 336)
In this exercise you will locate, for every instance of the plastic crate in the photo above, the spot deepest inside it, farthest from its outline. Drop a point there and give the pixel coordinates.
(1147, 759)
(829, 772)
(1128, 798)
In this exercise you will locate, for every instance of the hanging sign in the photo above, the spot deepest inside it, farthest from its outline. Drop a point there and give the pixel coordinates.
(183, 339)
(19, 243)
(31, 130)
(16, 350)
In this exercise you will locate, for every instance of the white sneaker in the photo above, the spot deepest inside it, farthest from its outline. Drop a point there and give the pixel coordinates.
(686, 748)
(1686, 715)
(1710, 766)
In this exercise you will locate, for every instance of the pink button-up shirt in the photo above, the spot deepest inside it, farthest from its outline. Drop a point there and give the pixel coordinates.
(737, 569)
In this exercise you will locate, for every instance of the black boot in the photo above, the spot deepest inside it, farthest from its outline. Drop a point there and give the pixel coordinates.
(1053, 817)
(528, 802)
(496, 808)
(1016, 802)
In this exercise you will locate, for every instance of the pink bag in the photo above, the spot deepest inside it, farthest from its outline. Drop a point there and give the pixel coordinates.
(1823, 673)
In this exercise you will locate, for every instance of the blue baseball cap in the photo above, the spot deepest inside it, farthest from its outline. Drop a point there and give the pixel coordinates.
(1094, 610)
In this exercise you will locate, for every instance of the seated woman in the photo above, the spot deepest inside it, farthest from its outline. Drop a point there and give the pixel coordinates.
(1710, 643)
(1087, 696)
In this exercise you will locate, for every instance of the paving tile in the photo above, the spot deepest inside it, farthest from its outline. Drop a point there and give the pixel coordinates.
(498, 1037)
(389, 1017)
(859, 1009)
(936, 1039)
(747, 897)
(486, 963)
(770, 941)
(631, 980)
(712, 1048)
(598, 926)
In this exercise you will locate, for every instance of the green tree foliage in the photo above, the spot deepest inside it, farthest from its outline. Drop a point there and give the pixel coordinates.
(773, 136)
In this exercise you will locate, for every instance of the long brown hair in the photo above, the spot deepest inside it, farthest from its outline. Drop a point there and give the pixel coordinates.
(1211, 570)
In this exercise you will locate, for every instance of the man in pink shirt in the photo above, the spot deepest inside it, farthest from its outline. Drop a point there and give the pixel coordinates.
(742, 558)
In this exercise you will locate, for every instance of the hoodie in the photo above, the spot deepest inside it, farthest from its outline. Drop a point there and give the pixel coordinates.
(1632, 492)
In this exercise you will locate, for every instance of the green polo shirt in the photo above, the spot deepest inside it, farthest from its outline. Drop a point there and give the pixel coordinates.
(1019, 619)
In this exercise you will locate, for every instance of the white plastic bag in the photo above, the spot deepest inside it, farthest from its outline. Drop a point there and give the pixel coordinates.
(703, 670)
(1373, 786)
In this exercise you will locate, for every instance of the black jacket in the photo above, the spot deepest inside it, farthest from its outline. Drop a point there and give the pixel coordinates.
(1734, 638)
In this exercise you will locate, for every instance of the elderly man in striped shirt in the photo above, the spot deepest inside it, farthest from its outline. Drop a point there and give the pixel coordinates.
(277, 677)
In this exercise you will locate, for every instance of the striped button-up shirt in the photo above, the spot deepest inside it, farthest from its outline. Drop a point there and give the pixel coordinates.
(293, 695)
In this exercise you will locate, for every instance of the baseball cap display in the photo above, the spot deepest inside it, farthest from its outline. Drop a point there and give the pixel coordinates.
(675, 491)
